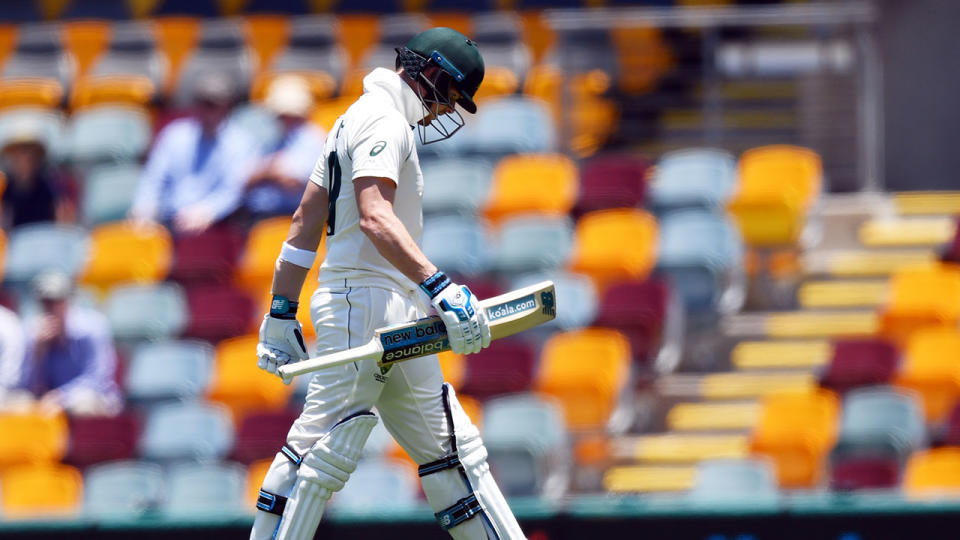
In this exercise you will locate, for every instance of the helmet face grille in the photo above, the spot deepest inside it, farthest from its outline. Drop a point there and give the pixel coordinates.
(430, 92)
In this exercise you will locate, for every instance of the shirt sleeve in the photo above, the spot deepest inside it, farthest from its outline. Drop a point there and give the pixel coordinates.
(99, 360)
(381, 149)
(238, 156)
(146, 203)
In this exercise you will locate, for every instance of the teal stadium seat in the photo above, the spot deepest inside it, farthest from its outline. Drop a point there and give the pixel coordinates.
(510, 125)
(169, 369)
(122, 489)
(694, 177)
(36, 247)
(457, 244)
(188, 430)
(48, 124)
(528, 445)
(455, 184)
(577, 301)
(108, 193)
(378, 485)
(202, 490)
(144, 312)
(107, 133)
(880, 421)
(532, 242)
(740, 482)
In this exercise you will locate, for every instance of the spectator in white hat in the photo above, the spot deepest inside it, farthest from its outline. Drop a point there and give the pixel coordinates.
(34, 191)
(277, 183)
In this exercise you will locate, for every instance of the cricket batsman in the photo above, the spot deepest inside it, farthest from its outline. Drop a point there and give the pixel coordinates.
(365, 191)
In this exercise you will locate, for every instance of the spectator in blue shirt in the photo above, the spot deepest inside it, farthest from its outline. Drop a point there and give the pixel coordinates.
(70, 360)
(277, 182)
(197, 169)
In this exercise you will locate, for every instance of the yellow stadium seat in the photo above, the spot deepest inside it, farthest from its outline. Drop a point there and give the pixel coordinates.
(615, 245)
(532, 183)
(906, 232)
(642, 55)
(126, 252)
(256, 472)
(461, 22)
(266, 35)
(32, 92)
(842, 294)
(879, 263)
(322, 85)
(796, 430)
(176, 38)
(357, 34)
(40, 491)
(927, 203)
(816, 324)
(742, 385)
(326, 112)
(8, 41)
(240, 384)
(586, 370)
(135, 90)
(497, 81)
(712, 416)
(85, 41)
(454, 368)
(930, 367)
(688, 447)
(538, 35)
(545, 82)
(633, 479)
(780, 354)
(777, 185)
(933, 473)
(32, 436)
(921, 299)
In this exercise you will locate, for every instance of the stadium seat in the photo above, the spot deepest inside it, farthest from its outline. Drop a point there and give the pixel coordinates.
(384, 484)
(242, 386)
(532, 242)
(506, 366)
(638, 309)
(454, 367)
(612, 181)
(36, 247)
(261, 434)
(33, 92)
(865, 472)
(821, 324)
(873, 263)
(207, 257)
(190, 430)
(220, 311)
(176, 36)
(108, 193)
(921, 299)
(863, 362)
(694, 177)
(259, 256)
(845, 293)
(146, 311)
(713, 416)
(498, 81)
(457, 244)
(930, 368)
(882, 421)
(528, 445)
(266, 33)
(499, 34)
(122, 489)
(205, 489)
(777, 186)
(588, 390)
(94, 439)
(933, 473)
(125, 252)
(535, 183)
(578, 305)
(169, 369)
(221, 47)
(312, 47)
(42, 490)
(84, 41)
(747, 384)
(644, 56)
(38, 53)
(615, 245)
(132, 53)
(781, 354)
(741, 482)
(510, 125)
(32, 436)
(107, 133)
(701, 255)
(123, 90)
(951, 432)
(45, 121)
(647, 478)
(544, 82)
(455, 184)
(685, 448)
(796, 430)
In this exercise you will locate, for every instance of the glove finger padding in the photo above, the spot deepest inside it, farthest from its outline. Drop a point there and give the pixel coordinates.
(463, 317)
(281, 342)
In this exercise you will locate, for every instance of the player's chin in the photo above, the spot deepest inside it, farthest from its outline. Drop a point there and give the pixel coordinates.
(427, 119)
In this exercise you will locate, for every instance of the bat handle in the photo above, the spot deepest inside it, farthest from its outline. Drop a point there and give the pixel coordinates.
(371, 349)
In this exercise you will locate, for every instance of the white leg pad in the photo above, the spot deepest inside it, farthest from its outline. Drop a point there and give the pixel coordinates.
(279, 480)
(324, 471)
(461, 490)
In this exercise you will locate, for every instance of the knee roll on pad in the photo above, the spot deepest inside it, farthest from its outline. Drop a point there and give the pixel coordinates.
(323, 471)
(459, 486)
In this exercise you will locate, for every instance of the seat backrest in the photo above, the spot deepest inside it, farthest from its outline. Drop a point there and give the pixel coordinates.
(261, 433)
(207, 257)
(108, 193)
(32, 437)
(36, 247)
(122, 488)
(525, 420)
(933, 473)
(531, 242)
(124, 252)
(220, 311)
(734, 481)
(388, 484)
(146, 311)
(612, 181)
(506, 366)
(457, 243)
(797, 420)
(264, 239)
(40, 490)
(794, 169)
(203, 489)
(615, 245)
(860, 362)
(703, 177)
(187, 430)
(510, 125)
(536, 183)
(578, 297)
(920, 298)
(930, 367)
(169, 369)
(94, 439)
(588, 390)
(880, 410)
(240, 384)
(108, 132)
(455, 184)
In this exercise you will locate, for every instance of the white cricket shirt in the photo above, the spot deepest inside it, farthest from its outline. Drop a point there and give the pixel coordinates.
(375, 137)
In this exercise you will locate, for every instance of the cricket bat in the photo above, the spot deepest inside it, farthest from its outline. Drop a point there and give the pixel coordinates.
(507, 314)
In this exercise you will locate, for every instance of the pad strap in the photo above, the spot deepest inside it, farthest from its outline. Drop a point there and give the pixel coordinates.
(450, 461)
(291, 454)
(459, 512)
(271, 502)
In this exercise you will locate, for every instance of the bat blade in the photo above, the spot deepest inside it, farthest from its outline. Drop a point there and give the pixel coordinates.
(507, 314)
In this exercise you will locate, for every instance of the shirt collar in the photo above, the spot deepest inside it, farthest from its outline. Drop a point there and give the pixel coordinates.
(387, 83)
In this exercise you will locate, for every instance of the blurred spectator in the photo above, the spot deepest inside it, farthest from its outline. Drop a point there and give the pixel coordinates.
(70, 360)
(34, 190)
(195, 174)
(277, 183)
(12, 350)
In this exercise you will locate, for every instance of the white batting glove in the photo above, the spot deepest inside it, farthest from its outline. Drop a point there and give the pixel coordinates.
(460, 311)
(281, 337)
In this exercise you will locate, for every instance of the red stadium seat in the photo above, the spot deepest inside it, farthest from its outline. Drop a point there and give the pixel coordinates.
(952, 435)
(506, 366)
(101, 438)
(261, 435)
(612, 181)
(860, 362)
(869, 472)
(210, 256)
(637, 309)
(218, 312)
